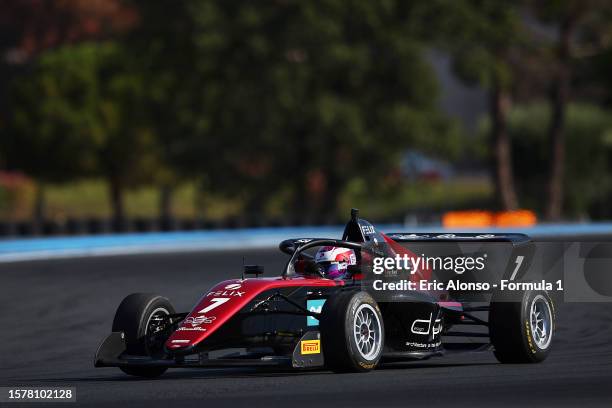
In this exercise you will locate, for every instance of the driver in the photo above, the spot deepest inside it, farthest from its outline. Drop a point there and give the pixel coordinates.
(333, 262)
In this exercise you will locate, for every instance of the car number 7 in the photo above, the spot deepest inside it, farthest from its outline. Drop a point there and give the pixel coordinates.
(214, 302)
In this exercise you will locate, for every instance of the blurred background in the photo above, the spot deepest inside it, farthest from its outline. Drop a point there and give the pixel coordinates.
(136, 115)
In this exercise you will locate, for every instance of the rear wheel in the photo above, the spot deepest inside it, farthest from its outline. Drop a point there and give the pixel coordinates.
(352, 332)
(140, 316)
(522, 329)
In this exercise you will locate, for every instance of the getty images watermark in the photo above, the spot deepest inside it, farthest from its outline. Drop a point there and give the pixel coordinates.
(428, 266)
(571, 271)
(412, 264)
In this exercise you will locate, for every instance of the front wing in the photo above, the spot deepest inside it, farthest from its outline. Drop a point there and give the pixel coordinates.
(306, 354)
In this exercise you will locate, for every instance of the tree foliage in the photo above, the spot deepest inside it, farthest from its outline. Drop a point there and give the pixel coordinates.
(282, 102)
(78, 114)
(291, 98)
(255, 99)
(588, 182)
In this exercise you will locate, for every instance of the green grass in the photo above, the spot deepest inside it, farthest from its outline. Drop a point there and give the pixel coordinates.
(82, 199)
(429, 196)
(89, 198)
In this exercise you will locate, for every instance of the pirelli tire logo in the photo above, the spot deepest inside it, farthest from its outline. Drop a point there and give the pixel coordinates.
(310, 347)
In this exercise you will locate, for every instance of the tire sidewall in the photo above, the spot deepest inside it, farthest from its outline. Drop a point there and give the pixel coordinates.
(358, 299)
(133, 316)
(534, 351)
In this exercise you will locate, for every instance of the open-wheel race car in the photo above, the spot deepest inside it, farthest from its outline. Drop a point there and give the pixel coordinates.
(306, 319)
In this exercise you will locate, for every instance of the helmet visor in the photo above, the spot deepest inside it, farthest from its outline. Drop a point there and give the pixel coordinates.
(332, 269)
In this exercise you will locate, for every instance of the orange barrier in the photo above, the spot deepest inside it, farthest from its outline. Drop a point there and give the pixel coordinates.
(477, 219)
(463, 219)
(518, 218)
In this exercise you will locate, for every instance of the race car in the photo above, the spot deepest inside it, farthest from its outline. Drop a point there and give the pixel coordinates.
(306, 320)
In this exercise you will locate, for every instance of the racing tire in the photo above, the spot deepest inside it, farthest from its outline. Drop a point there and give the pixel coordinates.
(134, 318)
(352, 332)
(521, 328)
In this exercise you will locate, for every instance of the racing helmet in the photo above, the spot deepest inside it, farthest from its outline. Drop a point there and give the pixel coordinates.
(333, 261)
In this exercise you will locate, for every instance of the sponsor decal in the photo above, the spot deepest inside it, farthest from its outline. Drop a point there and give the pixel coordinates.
(303, 240)
(198, 320)
(442, 236)
(367, 229)
(196, 328)
(423, 345)
(427, 326)
(310, 346)
(315, 306)
(409, 236)
(228, 291)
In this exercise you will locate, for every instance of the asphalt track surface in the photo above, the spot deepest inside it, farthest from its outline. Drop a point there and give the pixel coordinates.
(55, 313)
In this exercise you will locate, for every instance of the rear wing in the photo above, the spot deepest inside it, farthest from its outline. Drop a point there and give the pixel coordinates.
(515, 239)
(508, 256)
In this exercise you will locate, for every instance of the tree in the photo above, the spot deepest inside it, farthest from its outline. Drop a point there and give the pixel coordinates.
(31, 27)
(28, 29)
(487, 41)
(588, 184)
(79, 114)
(47, 136)
(288, 100)
(162, 47)
(127, 153)
(584, 28)
(300, 97)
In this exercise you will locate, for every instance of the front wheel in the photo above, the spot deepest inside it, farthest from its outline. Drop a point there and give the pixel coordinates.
(352, 332)
(140, 316)
(522, 329)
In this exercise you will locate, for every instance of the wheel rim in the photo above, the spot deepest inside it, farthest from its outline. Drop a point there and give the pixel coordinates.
(155, 325)
(541, 322)
(367, 332)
